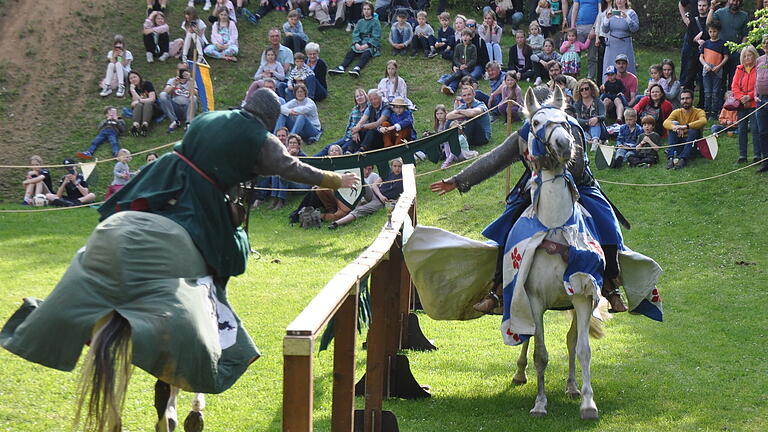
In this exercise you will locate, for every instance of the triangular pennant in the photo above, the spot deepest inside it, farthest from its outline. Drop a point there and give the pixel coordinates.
(87, 169)
(604, 156)
(350, 196)
(708, 147)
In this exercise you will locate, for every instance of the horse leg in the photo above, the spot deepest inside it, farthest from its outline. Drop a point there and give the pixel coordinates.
(165, 403)
(583, 306)
(540, 357)
(522, 364)
(571, 389)
(194, 420)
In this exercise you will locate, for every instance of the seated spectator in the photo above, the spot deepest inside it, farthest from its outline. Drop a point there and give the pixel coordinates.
(441, 124)
(118, 66)
(295, 38)
(627, 139)
(490, 32)
(543, 60)
(320, 70)
(657, 106)
(464, 61)
(300, 116)
(280, 194)
(613, 93)
(647, 150)
(148, 159)
(627, 78)
(590, 112)
(349, 139)
(335, 209)
(555, 70)
(510, 11)
(478, 132)
(72, 190)
(122, 173)
(156, 5)
(536, 38)
(401, 34)
(224, 38)
(399, 126)
(423, 37)
(348, 11)
(367, 127)
(267, 6)
(366, 42)
(445, 36)
(386, 191)
(301, 73)
(509, 91)
(194, 33)
(143, 103)
(382, 8)
(685, 125)
(393, 85)
(562, 82)
(270, 68)
(672, 85)
(520, 57)
(223, 4)
(479, 94)
(284, 54)
(271, 84)
(727, 120)
(109, 130)
(656, 77)
(482, 50)
(178, 99)
(156, 38)
(496, 81)
(38, 180)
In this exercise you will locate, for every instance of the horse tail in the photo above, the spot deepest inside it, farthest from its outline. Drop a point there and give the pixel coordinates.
(596, 329)
(106, 372)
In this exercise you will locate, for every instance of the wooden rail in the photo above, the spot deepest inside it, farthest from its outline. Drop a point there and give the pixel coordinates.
(382, 260)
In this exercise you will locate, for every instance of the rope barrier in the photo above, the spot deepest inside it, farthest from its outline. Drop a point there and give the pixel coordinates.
(50, 209)
(96, 161)
(684, 182)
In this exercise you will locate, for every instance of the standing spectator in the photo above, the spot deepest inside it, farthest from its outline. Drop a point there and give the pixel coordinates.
(350, 137)
(224, 38)
(695, 36)
(38, 180)
(464, 61)
(399, 126)
(743, 88)
(620, 23)
(109, 130)
(590, 111)
(685, 125)
(300, 116)
(179, 98)
(585, 14)
(122, 173)
(761, 94)
(295, 38)
(477, 132)
(559, 17)
(490, 32)
(320, 69)
(424, 36)
(672, 86)
(393, 85)
(733, 23)
(367, 127)
(143, 101)
(600, 41)
(542, 62)
(520, 57)
(194, 33)
(657, 106)
(544, 12)
(366, 42)
(284, 54)
(156, 39)
(570, 50)
(401, 34)
(445, 36)
(118, 65)
(73, 189)
(713, 57)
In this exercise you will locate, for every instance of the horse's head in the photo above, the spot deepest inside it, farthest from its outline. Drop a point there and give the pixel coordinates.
(550, 143)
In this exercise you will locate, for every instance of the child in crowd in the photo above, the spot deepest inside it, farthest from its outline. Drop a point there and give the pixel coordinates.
(445, 36)
(109, 129)
(122, 172)
(713, 57)
(38, 180)
(626, 140)
(423, 36)
(556, 19)
(727, 119)
(656, 77)
(300, 73)
(647, 150)
(295, 38)
(271, 69)
(118, 66)
(224, 38)
(544, 19)
(399, 126)
(223, 4)
(490, 32)
(441, 124)
(156, 38)
(535, 39)
(570, 49)
(562, 82)
(393, 85)
(464, 60)
(542, 60)
(613, 92)
(510, 91)
(401, 34)
(194, 33)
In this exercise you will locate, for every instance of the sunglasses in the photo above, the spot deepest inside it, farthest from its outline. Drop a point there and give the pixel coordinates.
(471, 25)
(585, 89)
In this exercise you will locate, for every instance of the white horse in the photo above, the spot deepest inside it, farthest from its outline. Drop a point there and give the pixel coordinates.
(544, 282)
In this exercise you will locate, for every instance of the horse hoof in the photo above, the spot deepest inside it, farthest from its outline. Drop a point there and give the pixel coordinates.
(194, 422)
(589, 414)
(573, 394)
(538, 412)
(519, 381)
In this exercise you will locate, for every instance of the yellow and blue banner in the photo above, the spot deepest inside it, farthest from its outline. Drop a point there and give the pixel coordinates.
(203, 83)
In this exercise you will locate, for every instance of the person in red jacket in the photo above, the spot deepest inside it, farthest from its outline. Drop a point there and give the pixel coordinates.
(657, 106)
(743, 88)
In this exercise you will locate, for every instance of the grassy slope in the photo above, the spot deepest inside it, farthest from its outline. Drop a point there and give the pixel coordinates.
(703, 369)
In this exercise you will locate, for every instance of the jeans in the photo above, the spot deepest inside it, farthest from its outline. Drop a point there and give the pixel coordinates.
(476, 134)
(744, 134)
(312, 89)
(713, 99)
(683, 151)
(106, 134)
(344, 143)
(761, 122)
(476, 73)
(624, 154)
(594, 132)
(172, 110)
(364, 58)
(299, 125)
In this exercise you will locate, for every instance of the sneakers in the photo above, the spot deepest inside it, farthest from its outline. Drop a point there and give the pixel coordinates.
(84, 155)
(595, 144)
(150, 57)
(670, 163)
(349, 27)
(680, 164)
(355, 71)
(432, 53)
(120, 91)
(135, 130)
(337, 70)
(207, 5)
(164, 56)
(106, 91)
(446, 90)
(173, 126)
(333, 226)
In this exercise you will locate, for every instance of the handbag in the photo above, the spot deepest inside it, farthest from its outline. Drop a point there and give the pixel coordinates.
(732, 104)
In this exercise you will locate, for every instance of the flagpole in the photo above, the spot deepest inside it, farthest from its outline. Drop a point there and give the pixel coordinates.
(509, 132)
(192, 108)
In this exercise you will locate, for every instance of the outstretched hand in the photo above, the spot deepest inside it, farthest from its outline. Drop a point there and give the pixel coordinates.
(442, 187)
(349, 180)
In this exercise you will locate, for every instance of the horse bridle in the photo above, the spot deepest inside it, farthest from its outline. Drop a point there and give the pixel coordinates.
(542, 137)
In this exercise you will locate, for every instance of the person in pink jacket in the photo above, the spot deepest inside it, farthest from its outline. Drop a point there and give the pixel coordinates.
(223, 38)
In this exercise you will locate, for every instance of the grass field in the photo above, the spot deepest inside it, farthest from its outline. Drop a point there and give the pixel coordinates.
(705, 368)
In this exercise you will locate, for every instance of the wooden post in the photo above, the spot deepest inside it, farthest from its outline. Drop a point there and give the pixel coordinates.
(508, 172)
(298, 386)
(345, 335)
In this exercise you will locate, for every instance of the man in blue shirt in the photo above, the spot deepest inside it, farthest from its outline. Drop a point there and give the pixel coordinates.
(477, 132)
(586, 12)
